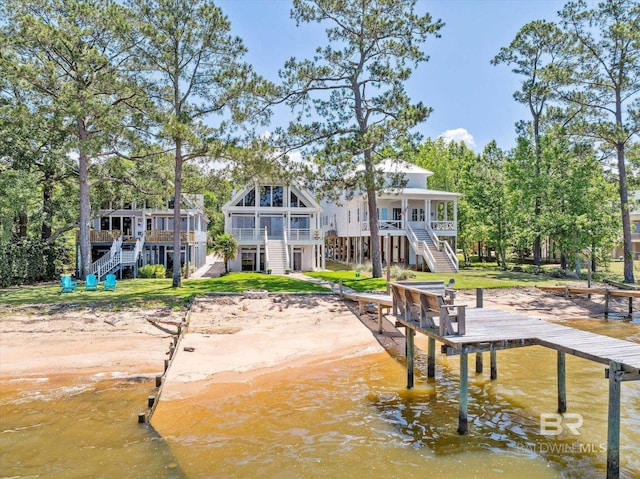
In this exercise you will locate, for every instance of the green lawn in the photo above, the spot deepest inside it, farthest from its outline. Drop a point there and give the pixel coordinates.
(138, 292)
(466, 279)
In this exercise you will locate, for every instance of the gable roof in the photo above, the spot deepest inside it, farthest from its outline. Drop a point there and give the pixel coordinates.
(308, 198)
(391, 165)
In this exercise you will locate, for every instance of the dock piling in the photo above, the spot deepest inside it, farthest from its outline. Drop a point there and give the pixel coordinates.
(613, 429)
(464, 392)
(479, 363)
(494, 363)
(410, 353)
(431, 358)
(562, 384)
(479, 298)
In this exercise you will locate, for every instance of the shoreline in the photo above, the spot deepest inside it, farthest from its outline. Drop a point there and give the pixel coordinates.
(40, 341)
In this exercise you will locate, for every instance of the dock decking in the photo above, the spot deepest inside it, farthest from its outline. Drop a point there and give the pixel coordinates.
(493, 330)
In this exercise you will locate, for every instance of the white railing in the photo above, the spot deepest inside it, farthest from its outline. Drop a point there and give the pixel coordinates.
(448, 250)
(105, 264)
(107, 261)
(286, 250)
(443, 225)
(266, 249)
(245, 233)
(115, 246)
(139, 247)
(422, 248)
(299, 234)
(383, 225)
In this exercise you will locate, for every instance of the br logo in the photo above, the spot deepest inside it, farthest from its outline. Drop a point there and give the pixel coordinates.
(552, 424)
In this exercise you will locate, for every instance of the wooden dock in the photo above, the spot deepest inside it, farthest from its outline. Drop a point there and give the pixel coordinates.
(486, 330)
(608, 294)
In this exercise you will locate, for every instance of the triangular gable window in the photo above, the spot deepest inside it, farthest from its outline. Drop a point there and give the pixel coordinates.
(296, 202)
(249, 199)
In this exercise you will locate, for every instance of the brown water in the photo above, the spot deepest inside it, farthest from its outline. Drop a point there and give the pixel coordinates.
(353, 418)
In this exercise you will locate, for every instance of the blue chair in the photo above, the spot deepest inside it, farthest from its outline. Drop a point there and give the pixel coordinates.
(109, 283)
(68, 286)
(91, 283)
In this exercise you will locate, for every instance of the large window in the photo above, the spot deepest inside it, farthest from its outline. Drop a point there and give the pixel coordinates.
(300, 222)
(249, 199)
(240, 222)
(272, 196)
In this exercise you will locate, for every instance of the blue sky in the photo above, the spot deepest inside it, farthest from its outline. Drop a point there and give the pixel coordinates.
(458, 82)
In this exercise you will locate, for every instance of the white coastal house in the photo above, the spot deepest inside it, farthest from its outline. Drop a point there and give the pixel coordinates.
(127, 235)
(418, 225)
(277, 227)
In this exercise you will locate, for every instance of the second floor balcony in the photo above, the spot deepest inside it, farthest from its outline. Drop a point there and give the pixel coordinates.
(245, 235)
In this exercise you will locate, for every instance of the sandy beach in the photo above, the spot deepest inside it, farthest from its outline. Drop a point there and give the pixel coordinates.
(244, 337)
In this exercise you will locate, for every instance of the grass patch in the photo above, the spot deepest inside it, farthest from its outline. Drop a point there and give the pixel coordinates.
(139, 292)
(466, 279)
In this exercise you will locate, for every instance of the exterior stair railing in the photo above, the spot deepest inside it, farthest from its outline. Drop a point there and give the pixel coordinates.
(423, 248)
(444, 246)
(286, 250)
(109, 260)
(266, 249)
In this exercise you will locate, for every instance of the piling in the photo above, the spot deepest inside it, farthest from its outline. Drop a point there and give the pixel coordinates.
(431, 358)
(562, 385)
(613, 431)
(494, 363)
(158, 381)
(151, 400)
(464, 392)
(410, 356)
(479, 298)
(142, 418)
(479, 363)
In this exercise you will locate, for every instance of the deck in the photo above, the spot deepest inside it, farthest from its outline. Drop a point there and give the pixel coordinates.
(488, 330)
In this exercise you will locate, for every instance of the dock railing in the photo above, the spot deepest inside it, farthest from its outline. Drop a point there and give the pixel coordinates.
(421, 305)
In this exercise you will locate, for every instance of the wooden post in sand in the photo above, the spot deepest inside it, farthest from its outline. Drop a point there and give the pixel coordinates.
(142, 418)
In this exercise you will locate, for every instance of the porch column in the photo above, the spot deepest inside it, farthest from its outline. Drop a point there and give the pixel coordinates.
(455, 214)
(322, 252)
(257, 258)
(404, 212)
(427, 213)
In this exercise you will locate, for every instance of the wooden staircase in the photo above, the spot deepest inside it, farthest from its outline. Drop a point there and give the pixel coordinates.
(277, 254)
(116, 258)
(423, 245)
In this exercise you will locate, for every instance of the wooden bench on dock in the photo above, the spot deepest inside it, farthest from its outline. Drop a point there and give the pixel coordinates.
(427, 304)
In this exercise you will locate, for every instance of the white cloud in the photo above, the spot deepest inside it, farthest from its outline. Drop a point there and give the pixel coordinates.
(458, 135)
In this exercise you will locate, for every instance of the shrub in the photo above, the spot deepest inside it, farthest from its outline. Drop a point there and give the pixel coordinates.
(401, 274)
(364, 268)
(152, 271)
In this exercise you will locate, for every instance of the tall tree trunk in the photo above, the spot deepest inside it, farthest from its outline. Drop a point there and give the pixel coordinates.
(47, 208)
(537, 241)
(85, 202)
(374, 230)
(627, 246)
(563, 260)
(177, 273)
